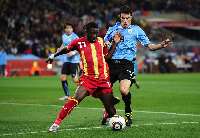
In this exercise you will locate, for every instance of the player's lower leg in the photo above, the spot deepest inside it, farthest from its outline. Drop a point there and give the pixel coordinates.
(106, 116)
(116, 100)
(66, 109)
(104, 119)
(65, 88)
(133, 81)
(128, 111)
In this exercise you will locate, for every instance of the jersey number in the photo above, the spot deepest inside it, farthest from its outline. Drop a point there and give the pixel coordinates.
(82, 44)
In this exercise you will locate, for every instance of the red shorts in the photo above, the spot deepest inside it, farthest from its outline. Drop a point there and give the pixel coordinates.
(95, 86)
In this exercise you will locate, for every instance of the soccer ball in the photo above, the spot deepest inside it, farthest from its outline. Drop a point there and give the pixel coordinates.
(117, 122)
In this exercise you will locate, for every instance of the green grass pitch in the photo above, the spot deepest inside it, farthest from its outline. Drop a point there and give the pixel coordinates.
(165, 106)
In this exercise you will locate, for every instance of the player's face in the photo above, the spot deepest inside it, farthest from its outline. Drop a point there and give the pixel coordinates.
(92, 34)
(125, 20)
(68, 30)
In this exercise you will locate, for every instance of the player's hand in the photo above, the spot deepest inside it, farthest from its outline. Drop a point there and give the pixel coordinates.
(166, 43)
(107, 44)
(50, 59)
(118, 35)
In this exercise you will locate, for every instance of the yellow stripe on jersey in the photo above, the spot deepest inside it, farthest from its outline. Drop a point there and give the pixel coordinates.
(105, 69)
(85, 63)
(104, 62)
(95, 60)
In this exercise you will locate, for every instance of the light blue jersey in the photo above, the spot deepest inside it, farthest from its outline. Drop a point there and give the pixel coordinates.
(3, 60)
(65, 41)
(126, 48)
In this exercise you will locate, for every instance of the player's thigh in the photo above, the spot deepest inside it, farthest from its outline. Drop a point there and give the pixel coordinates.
(125, 79)
(114, 75)
(65, 68)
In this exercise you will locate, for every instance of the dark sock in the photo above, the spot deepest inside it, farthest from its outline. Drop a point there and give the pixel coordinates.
(133, 81)
(65, 87)
(127, 101)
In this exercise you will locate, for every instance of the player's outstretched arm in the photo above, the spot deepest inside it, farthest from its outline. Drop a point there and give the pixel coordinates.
(118, 35)
(60, 52)
(165, 43)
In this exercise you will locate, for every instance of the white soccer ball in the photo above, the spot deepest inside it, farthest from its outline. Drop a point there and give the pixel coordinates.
(117, 122)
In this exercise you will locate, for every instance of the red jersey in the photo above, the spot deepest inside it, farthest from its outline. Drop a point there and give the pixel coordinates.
(92, 57)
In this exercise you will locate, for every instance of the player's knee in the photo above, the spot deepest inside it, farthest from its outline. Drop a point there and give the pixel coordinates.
(75, 80)
(63, 78)
(124, 91)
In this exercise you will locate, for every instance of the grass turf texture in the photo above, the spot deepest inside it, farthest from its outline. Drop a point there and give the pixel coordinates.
(166, 105)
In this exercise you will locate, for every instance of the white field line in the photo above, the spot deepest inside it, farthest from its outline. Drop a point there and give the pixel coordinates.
(150, 112)
(99, 127)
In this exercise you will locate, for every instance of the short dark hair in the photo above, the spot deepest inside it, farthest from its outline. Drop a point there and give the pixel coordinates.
(91, 25)
(126, 9)
(69, 24)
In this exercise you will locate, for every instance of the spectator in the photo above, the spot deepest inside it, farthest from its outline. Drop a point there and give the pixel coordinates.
(195, 58)
(3, 62)
(162, 63)
(35, 69)
(195, 63)
(147, 62)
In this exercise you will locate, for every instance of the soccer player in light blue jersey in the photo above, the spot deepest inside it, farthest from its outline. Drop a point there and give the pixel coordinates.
(72, 59)
(3, 62)
(121, 66)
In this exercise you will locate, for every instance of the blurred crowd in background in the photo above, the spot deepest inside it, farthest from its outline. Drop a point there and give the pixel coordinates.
(36, 26)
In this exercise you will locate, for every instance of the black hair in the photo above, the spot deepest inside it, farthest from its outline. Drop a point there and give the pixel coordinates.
(126, 9)
(69, 24)
(90, 25)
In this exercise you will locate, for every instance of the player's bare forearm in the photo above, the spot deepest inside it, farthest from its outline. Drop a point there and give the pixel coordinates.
(118, 35)
(60, 52)
(165, 43)
(111, 51)
(64, 50)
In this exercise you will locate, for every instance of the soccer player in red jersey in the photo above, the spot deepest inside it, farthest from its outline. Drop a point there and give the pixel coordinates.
(95, 79)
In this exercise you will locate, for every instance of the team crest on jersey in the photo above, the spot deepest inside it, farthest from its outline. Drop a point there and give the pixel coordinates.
(69, 39)
(130, 31)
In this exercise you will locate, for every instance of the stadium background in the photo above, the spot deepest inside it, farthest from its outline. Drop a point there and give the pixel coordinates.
(31, 30)
(165, 105)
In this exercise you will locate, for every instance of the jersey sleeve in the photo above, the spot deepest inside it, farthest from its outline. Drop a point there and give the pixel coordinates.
(73, 45)
(108, 36)
(62, 40)
(141, 36)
